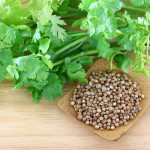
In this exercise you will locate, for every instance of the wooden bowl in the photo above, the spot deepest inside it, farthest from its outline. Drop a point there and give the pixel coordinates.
(103, 65)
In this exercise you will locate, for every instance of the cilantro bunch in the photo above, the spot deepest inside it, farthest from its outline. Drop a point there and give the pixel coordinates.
(119, 27)
(39, 53)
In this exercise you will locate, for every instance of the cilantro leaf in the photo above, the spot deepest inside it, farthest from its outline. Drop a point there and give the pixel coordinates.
(56, 29)
(86, 4)
(7, 34)
(10, 35)
(47, 61)
(103, 48)
(35, 7)
(36, 94)
(123, 62)
(62, 79)
(13, 71)
(112, 5)
(32, 67)
(5, 60)
(53, 89)
(63, 7)
(23, 78)
(3, 30)
(42, 13)
(17, 16)
(111, 25)
(75, 72)
(138, 3)
(37, 34)
(12, 12)
(101, 16)
(84, 60)
(35, 84)
(56, 3)
(44, 44)
(45, 15)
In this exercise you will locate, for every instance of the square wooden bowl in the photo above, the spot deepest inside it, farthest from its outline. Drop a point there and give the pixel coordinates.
(103, 65)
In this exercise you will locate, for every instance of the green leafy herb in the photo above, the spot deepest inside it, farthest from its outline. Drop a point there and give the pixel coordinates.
(5, 60)
(37, 52)
(53, 89)
(106, 22)
(123, 62)
(75, 72)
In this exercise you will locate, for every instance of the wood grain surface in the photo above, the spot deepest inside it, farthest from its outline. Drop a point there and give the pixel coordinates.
(28, 126)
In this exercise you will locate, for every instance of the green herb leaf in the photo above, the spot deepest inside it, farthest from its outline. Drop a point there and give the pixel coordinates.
(53, 89)
(5, 60)
(47, 61)
(75, 72)
(123, 62)
(56, 29)
(140, 2)
(12, 12)
(32, 67)
(103, 48)
(44, 44)
(13, 71)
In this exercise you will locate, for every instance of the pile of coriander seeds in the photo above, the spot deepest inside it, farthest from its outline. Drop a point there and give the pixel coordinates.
(110, 99)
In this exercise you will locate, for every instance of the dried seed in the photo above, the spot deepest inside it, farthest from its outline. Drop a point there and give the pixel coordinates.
(109, 100)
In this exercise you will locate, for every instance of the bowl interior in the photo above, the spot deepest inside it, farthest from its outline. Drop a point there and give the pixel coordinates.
(103, 65)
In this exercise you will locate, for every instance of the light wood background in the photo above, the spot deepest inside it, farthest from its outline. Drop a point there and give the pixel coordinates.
(28, 126)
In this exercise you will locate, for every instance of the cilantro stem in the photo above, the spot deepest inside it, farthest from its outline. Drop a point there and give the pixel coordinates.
(77, 56)
(134, 8)
(71, 50)
(70, 45)
(68, 21)
(74, 15)
(119, 32)
(79, 34)
(74, 9)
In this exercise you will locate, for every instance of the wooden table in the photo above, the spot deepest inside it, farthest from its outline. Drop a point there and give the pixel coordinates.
(28, 126)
